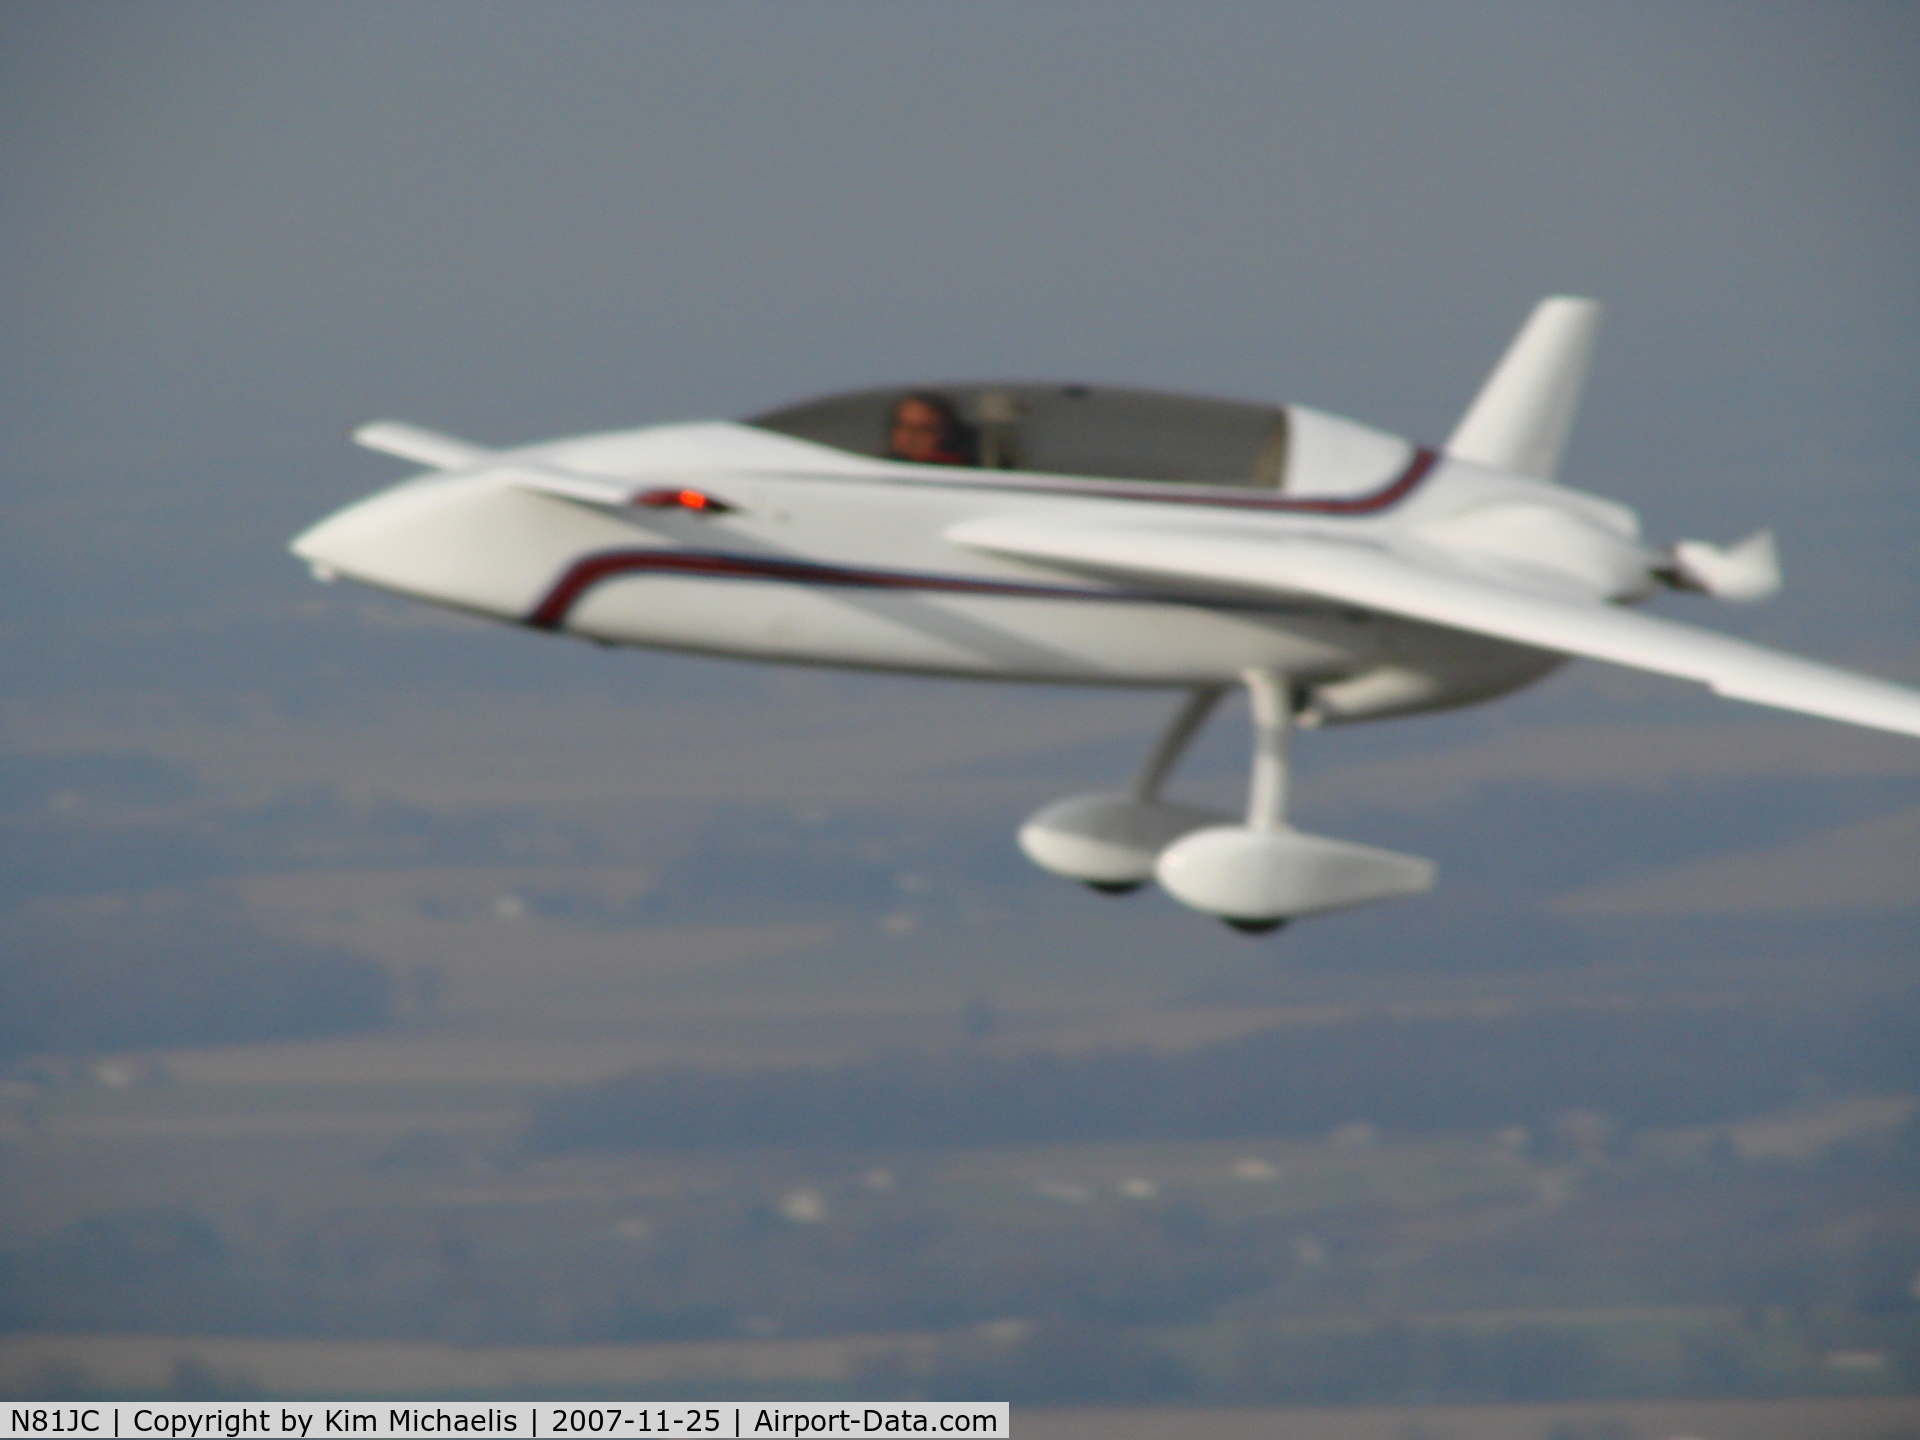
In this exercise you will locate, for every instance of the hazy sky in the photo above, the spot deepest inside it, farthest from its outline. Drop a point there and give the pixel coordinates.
(234, 231)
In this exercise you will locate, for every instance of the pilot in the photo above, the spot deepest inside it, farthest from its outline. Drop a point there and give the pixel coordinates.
(926, 428)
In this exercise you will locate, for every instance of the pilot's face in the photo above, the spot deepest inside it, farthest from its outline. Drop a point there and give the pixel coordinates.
(917, 431)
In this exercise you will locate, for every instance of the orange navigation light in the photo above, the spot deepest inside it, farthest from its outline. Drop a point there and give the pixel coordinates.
(695, 500)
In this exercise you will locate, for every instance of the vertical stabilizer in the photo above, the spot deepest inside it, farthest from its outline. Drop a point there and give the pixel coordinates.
(1520, 419)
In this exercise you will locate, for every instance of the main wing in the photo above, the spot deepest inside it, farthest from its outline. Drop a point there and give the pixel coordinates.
(1376, 578)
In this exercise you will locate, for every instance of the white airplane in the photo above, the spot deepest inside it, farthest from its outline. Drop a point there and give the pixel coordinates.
(1066, 533)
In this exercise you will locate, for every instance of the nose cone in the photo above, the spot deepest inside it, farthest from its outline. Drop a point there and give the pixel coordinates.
(381, 540)
(470, 541)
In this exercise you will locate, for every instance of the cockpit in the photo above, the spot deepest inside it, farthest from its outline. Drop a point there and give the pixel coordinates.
(1060, 430)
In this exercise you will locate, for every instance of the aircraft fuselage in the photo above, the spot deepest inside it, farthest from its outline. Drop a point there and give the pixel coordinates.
(809, 555)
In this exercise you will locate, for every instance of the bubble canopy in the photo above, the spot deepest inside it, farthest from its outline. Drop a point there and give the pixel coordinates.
(1066, 429)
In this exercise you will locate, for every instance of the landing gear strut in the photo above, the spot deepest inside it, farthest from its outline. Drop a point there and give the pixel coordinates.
(1179, 734)
(1109, 842)
(1273, 702)
(1166, 753)
(1257, 875)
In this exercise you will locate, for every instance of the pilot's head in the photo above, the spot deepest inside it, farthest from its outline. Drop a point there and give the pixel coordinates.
(926, 429)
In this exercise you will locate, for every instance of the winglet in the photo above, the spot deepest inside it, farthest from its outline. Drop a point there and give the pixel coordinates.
(1520, 419)
(418, 444)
